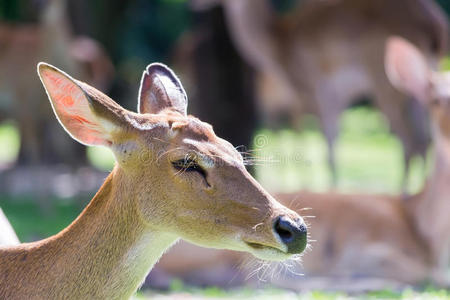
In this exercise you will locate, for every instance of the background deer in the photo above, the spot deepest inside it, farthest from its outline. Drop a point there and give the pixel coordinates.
(321, 56)
(408, 240)
(376, 236)
(22, 47)
(174, 178)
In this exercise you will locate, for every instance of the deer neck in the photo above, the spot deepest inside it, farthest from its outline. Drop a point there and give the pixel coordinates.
(430, 208)
(108, 249)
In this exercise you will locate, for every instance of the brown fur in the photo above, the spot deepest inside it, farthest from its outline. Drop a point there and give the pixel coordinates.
(363, 235)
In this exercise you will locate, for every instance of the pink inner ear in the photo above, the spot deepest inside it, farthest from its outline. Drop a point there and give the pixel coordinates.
(72, 108)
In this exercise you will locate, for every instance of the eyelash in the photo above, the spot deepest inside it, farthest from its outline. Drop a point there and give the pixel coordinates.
(188, 165)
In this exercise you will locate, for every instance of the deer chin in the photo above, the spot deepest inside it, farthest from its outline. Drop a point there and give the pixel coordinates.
(268, 253)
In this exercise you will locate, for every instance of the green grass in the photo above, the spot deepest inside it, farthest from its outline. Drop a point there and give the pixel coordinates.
(369, 158)
(445, 64)
(280, 294)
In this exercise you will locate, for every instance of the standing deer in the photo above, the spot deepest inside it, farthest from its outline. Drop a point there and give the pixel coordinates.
(174, 178)
(321, 56)
(21, 48)
(379, 236)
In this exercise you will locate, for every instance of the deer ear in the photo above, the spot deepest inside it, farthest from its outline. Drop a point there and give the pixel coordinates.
(161, 89)
(89, 116)
(407, 68)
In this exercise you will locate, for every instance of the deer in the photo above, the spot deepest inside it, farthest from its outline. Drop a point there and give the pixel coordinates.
(375, 236)
(173, 178)
(320, 57)
(7, 234)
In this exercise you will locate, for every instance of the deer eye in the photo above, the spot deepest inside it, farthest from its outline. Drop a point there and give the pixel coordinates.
(188, 165)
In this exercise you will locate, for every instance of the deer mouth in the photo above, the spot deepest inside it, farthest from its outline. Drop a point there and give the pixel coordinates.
(267, 252)
(258, 246)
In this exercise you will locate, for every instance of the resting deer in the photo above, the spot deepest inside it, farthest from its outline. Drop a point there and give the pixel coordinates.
(322, 56)
(381, 236)
(174, 178)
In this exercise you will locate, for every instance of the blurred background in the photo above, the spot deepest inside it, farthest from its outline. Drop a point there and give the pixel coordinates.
(299, 84)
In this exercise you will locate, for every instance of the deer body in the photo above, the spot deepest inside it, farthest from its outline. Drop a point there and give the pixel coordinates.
(174, 178)
(430, 207)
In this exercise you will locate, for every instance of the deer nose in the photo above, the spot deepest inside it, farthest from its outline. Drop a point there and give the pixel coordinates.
(292, 233)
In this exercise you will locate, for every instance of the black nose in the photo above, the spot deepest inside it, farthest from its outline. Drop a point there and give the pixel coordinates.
(292, 234)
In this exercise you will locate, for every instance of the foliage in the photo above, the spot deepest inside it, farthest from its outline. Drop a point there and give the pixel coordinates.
(32, 221)
(9, 142)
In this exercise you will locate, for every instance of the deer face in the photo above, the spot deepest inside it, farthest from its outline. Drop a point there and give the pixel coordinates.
(213, 201)
(408, 71)
(185, 180)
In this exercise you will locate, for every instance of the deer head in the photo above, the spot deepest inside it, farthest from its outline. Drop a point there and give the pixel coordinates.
(409, 71)
(183, 179)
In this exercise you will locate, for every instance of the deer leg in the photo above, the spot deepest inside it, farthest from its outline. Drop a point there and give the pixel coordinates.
(407, 156)
(329, 123)
(331, 158)
(400, 266)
